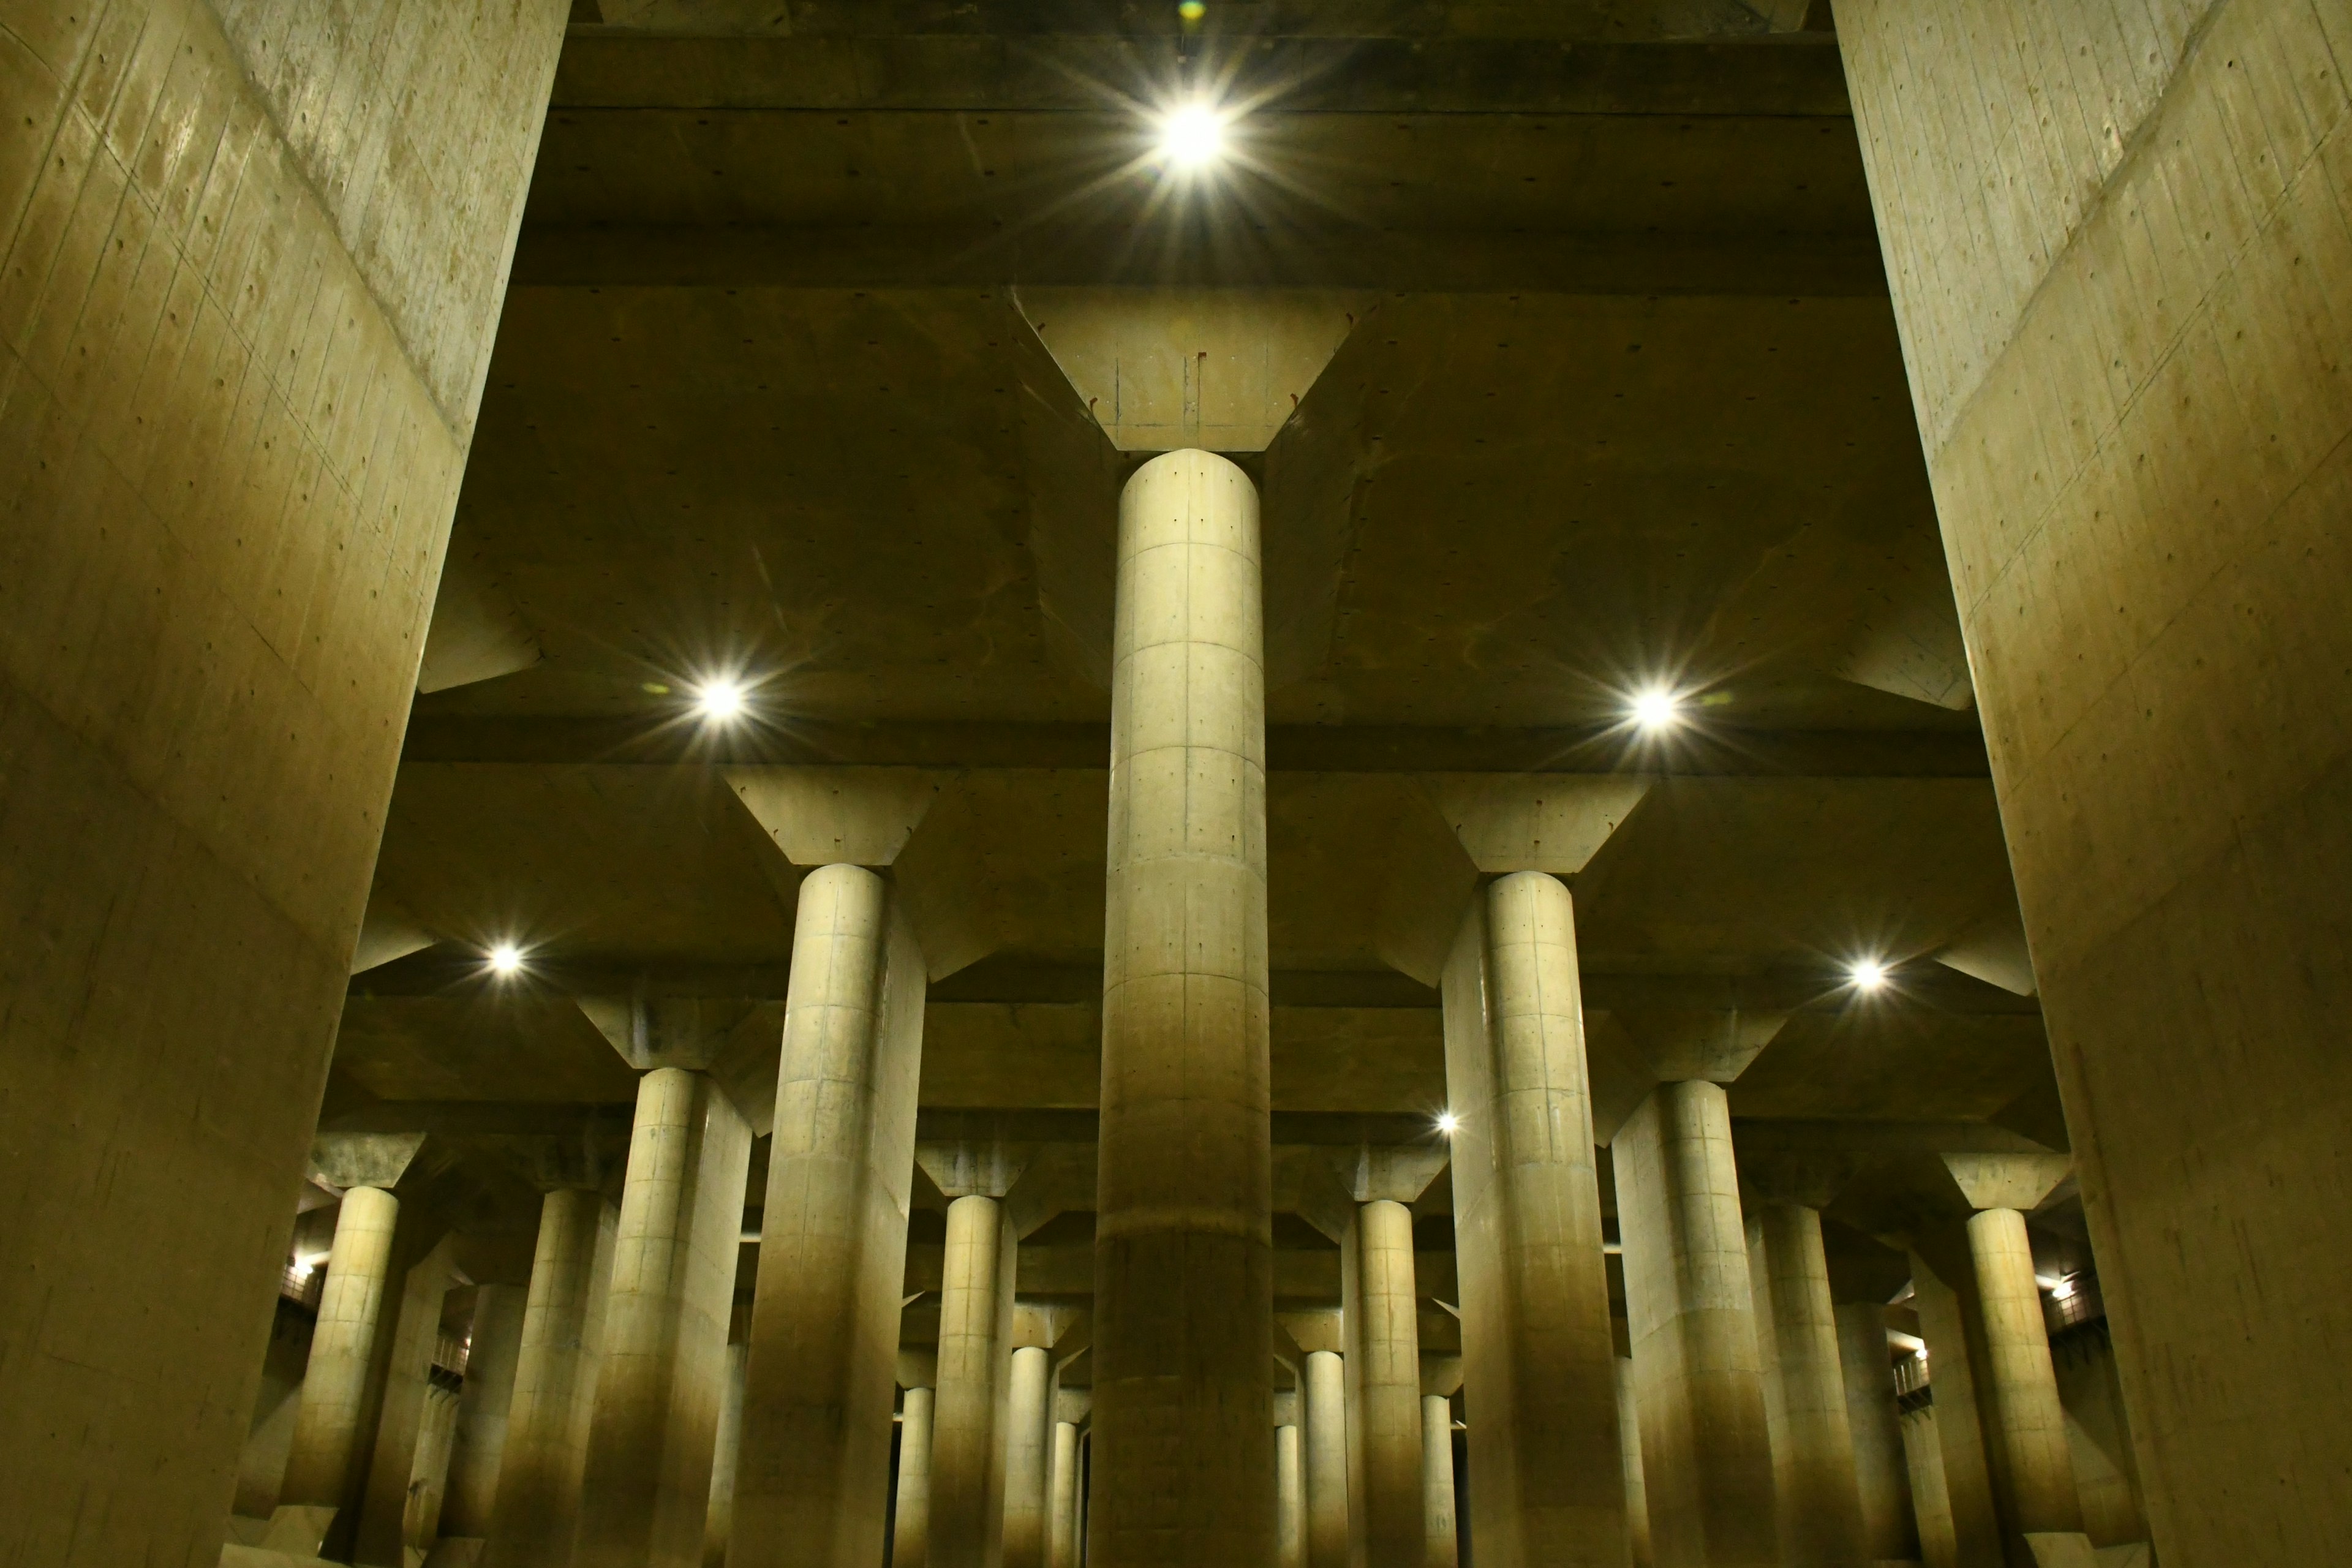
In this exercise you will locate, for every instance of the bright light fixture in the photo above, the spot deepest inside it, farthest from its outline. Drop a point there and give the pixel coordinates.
(1192, 136)
(1448, 1122)
(506, 959)
(1867, 973)
(719, 699)
(1656, 709)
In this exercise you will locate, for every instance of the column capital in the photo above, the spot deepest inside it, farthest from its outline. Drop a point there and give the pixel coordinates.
(348, 1160)
(2019, 1182)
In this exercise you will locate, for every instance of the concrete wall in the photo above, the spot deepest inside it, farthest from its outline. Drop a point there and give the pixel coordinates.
(252, 261)
(2118, 246)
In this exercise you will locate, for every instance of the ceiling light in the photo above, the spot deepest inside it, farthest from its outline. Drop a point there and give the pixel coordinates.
(1867, 973)
(719, 699)
(1656, 709)
(1192, 10)
(1448, 1122)
(506, 959)
(1192, 136)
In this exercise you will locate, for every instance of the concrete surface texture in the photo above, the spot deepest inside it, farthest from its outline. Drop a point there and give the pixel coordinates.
(1486, 799)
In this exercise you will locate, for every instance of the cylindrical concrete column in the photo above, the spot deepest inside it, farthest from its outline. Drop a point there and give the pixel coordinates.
(342, 1347)
(1183, 1333)
(812, 1480)
(1289, 1499)
(1706, 1460)
(1819, 1498)
(2030, 1426)
(1062, 1506)
(1629, 1447)
(1767, 1363)
(910, 1531)
(1326, 1460)
(1539, 1361)
(479, 1445)
(1443, 1541)
(963, 1428)
(663, 1358)
(1881, 1473)
(1027, 1458)
(725, 1450)
(1388, 1417)
(539, 1475)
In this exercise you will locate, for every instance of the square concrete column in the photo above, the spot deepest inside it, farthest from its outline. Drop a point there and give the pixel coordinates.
(663, 1361)
(812, 1478)
(1820, 1498)
(1326, 1460)
(1538, 1379)
(910, 1531)
(1706, 1460)
(1183, 1345)
(538, 1506)
(478, 1447)
(1882, 1476)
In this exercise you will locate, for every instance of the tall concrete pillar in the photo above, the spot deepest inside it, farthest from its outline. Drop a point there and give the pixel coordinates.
(813, 1471)
(1629, 1437)
(2028, 1430)
(1326, 1460)
(479, 1445)
(1290, 1498)
(1882, 1476)
(1183, 1333)
(555, 1368)
(726, 1455)
(1028, 1457)
(1706, 1462)
(964, 1416)
(343, 1350)
(1062, 1498)
(1384, 1338)
(387, 1511)
(1767, 1362)
(1538, 1381)
(662, 1360)
(1923, 1454)
(1818, 1495)
(910, 1531)
(1943, 1292)
(200, 735)
(1443, 1545)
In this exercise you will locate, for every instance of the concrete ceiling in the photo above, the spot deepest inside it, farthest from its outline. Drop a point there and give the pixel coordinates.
(1616, 399)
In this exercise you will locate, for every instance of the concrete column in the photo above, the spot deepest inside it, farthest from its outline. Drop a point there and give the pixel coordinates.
(1062, 1505)
(2028, 1429)
(815, 1467)
(1326, 1460)
(910, 1535)
(1923, 1454)
(1629, 1443)
(1386, 1339)
(1443, 1545)
(726, 1452)
(1289, 1499)
(538, 1475)
(342, 1350)
(479, 1443)
(386, 1511)
(1943, 1292)
(1707, 1462)
(1819, 1498)
(1538, 1380)
(1767, 1363)
(1882, 1479)
(662, 1360)
(1028, 1457)
(963, 1432)
(1183, 1344)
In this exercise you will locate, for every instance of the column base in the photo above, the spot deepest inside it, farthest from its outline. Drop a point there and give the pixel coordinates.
(2062, 1549)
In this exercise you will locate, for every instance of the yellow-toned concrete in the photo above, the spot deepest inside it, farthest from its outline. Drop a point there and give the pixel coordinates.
(546, 1455)
(1882, 1479)
(824, 1326)
(1028, 1459)
(352, 1308)
(1290, 1498)
(910, 1535)
(1326, 1442)
(1184, 1305)
(1062, 1498)
(2135, 429)
(663, 1353)
(967, 1426)
(1628, 1446)
(1444, 1548)
(477, 1445)
(1538, 1380)
(1384, 1363)
(250, 283)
